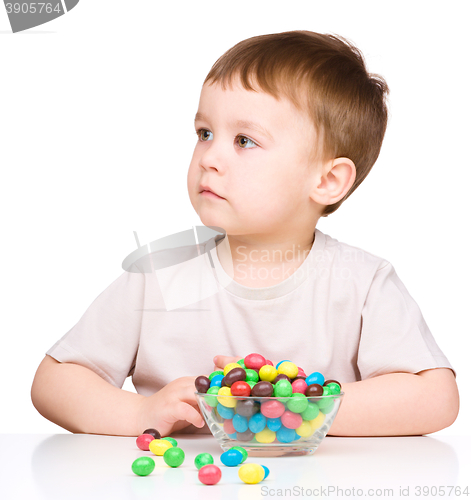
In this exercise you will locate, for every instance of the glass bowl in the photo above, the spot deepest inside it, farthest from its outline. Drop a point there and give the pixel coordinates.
(276, 426)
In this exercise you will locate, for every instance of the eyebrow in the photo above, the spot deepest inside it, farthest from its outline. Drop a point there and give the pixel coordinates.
(240, 123)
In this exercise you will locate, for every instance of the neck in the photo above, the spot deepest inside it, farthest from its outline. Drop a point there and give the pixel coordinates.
(259, 261)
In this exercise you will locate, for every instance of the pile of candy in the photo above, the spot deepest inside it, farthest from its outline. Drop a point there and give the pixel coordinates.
(211, 474)
(242, 398)
(150, 440)
(208, 473)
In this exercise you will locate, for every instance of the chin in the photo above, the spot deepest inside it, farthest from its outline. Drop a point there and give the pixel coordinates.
(210, 218)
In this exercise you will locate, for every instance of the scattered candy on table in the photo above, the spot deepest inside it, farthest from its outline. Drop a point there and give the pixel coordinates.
(153, 432)
(294, 415)
(171, 440)
(174, 457)
(143, 466)
(232, 458)
(252, 473)
(143, 441)
(203, 459)
(159, 446)
(209, 474)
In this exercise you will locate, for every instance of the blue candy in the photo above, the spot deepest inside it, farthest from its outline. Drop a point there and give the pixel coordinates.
(285, 435)
(282, 361)
(315, 378)
(274, 423)
(231, 458)
(225, 411)
(216, 381)
(267, 471)
(257, 423)
(240, 423)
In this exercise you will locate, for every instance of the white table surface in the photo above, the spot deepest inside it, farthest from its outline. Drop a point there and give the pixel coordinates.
(82, 466)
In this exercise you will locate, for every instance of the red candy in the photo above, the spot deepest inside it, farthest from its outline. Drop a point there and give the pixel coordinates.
(299, 385)
(268, 362)
(240, 389)
(254, 361)
(272, 408)
(291, 420)
(209, 474)
(228, 426)
(143, 441)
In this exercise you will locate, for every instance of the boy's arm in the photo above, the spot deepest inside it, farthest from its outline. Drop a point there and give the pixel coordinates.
(398, 404)
(80, 401)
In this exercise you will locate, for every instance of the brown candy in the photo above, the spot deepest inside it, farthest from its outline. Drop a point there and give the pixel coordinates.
(202, 384)
(246, 407)
(314, 390)
(332, 382)
(248, 435)
(235, 375)
(262, 389)
(153, 432)
(280, 377)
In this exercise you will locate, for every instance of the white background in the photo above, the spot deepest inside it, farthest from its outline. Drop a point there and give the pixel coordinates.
(96, 135)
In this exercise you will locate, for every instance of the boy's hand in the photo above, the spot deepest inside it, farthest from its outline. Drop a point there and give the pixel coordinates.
(172, 408)
(221, 361)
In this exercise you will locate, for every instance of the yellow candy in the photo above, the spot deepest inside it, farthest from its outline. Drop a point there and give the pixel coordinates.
(318, 421)
(229, 367)
(225, 401)
(251, 473)
(267, 373)
(305, 429)
(159, 446)
(289, 369)
(266, 436)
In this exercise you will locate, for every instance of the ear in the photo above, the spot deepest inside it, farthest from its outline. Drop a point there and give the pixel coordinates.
(332, 181)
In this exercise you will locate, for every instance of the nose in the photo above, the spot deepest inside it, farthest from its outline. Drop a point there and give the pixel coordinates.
(213, 156)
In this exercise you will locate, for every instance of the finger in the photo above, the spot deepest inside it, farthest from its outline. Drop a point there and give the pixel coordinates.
(221, 361)
(184, 411)
(187, 393)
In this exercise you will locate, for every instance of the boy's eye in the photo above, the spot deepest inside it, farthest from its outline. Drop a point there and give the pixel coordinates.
(202, 135)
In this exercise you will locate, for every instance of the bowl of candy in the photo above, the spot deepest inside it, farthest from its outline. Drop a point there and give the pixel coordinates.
(268, 410)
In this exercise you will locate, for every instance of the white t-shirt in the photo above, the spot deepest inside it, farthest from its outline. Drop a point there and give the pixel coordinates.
(344, 313)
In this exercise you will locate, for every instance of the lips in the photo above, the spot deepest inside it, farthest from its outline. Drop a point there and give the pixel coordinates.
(209, 190)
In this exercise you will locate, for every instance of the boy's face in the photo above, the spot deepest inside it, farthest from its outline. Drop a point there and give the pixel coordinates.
(263, 178)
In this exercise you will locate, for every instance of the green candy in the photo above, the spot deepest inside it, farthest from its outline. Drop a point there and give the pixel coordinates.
(283, 389)
(242, 450)
(334, 388)
(173, 441)
(143, 466)
(311, 412)
(241, 363)
(252, 375)
(328, 406)
(217, 372)
(326, 391)
(203, 459)
(212, 400)
(174, 457)
(297, 403)
(325, 402)
(251, 383)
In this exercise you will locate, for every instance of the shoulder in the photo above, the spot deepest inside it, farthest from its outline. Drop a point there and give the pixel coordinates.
(352, 260)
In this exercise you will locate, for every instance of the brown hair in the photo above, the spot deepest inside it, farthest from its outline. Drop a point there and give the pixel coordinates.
(325, 76)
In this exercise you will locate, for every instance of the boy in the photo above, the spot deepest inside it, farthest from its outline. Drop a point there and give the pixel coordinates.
(288, 126)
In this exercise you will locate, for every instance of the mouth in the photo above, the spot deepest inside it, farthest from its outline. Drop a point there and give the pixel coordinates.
(206, 192)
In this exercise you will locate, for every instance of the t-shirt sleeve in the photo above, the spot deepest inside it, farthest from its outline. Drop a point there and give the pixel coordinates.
(394, 336)
(106, 338)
